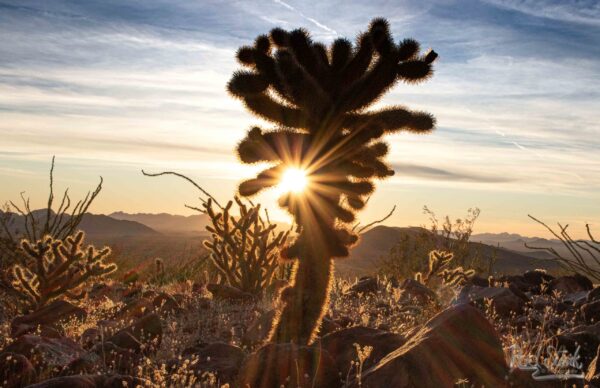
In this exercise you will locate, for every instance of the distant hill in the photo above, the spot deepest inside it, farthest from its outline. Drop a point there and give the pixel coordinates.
(94, 225)
(167, 223)
(377, 243)
(516, 242)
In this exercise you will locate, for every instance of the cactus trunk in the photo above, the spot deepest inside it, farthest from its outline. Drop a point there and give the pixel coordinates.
(306, 301)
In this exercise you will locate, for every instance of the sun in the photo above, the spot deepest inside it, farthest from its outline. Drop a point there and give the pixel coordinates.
(293, 180)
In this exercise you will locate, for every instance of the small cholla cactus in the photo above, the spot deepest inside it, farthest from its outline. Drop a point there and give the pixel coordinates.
(58, 268)
(437, 266)
(319, 98)
(244, 249)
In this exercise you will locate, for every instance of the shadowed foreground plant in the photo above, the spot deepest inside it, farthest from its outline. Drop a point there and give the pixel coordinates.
(244, 249)
(317, 97)
(58, 268)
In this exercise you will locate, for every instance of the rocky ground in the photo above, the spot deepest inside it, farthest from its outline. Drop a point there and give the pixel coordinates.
(378, 332)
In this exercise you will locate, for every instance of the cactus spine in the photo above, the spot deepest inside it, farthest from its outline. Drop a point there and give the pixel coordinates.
(318, 98)
(244, 249)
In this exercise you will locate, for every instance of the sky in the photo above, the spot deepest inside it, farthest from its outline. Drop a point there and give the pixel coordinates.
(113, 87)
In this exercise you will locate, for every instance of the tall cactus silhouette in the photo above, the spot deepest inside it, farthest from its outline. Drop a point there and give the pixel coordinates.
(318, 99)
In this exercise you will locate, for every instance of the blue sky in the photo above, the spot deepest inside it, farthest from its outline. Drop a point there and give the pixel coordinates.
(111, 87)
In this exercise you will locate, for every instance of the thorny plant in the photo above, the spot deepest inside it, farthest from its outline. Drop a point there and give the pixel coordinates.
(57, 268)
(583, 256)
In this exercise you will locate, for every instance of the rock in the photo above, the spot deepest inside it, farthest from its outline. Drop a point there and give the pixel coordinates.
(42, 352)
(344, 321)
(365, 285)
(594, 294)
(227, 293)
(587, 340)
(136, 308)
(537, 277)
(126, 340)
(219, 358)
(479, 281)
(569, 284)
(93, 381)
(16, 370)
(106, 353)
(503, 300)
(328, 325)
(591, 311)
(340, 345)
(577, 299)
(258, 331)
(165, 304)
(49, 316)
(204, 303)
(146, 330)
(275, 365)
(458, 343)
(592, 375)
(90, 337)
(412, 290)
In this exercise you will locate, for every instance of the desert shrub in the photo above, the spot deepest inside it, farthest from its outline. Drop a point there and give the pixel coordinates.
(318, 97)
(408, 256)
(244, 249)
(58, 268)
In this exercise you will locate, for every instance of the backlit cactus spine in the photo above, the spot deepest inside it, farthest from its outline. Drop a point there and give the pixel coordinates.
(58, 268)
(244, 249)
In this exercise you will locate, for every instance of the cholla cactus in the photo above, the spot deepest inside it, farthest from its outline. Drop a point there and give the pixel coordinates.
(58, 268)
(318, 99)
(244, 249)
(437, 266)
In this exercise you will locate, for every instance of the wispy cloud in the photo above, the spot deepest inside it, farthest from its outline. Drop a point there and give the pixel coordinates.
(136, 84)
(587, 12)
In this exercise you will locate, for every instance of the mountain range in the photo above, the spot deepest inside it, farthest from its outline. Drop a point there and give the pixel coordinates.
(167, 223)
(375, 244)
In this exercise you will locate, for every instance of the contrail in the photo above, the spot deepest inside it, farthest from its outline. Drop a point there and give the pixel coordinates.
(315, 22)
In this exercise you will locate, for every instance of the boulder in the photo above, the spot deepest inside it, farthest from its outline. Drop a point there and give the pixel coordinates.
(569, 284)
(537, 277)
(227, 293)
(276, 365)
(49, 317)
(591, 311)
(136, 308)
(458, 343)
(412, 290)
(147, 331)
(503, 300)
(93, 381)
(594, 294)
(341, 345)
(365, 285)
(106, 353)
(45, 353)
(222, 359)
(166, 304)
(16, 370)
(580, 336)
